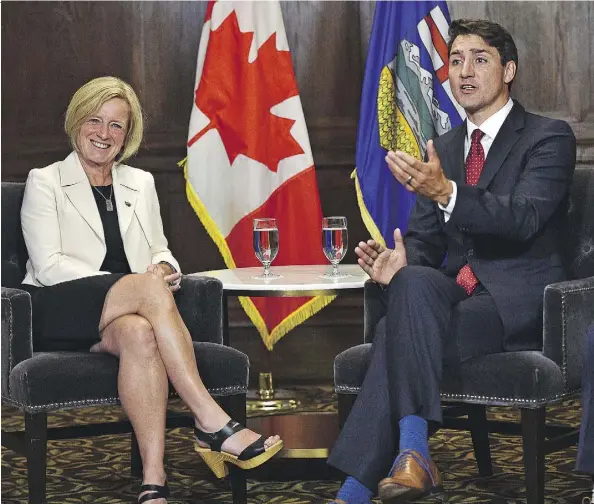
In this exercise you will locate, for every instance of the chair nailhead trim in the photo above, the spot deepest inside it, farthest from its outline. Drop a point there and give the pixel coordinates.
(355, 390)
(10, 334)
(563, 345)
(534, 402)
(564, 296)
(109, 401)
(9, 340)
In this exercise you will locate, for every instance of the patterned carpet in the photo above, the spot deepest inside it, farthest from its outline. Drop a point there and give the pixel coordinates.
(97, 469)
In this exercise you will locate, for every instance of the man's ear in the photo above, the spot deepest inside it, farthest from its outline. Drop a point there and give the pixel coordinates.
(509, 71)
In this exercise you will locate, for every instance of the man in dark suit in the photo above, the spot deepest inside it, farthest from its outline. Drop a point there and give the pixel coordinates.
(468, 278)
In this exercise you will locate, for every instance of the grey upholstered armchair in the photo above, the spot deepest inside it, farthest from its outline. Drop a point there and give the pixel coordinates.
(526, 380)
(42, 382)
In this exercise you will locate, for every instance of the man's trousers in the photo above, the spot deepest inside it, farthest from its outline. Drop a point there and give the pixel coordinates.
(430, 320)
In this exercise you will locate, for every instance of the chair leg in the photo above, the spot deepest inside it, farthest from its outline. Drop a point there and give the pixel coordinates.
(345, 405)
(533, 438)
(36, 452)
(479, 431)
(235, 406)
(135, 460)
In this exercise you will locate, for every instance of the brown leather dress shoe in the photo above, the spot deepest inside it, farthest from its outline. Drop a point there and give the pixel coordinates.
(413, 477)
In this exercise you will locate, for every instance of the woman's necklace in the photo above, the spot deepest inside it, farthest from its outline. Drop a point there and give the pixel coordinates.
(108, 202)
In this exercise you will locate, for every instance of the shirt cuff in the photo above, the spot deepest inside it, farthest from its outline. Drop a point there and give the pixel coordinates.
(449, 208)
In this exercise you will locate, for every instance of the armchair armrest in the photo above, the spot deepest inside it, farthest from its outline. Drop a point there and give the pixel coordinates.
(568, 311)
(375, 308)
(200, 303)
(17, 336)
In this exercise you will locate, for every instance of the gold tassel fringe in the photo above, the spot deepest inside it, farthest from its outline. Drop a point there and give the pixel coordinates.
(365, 215)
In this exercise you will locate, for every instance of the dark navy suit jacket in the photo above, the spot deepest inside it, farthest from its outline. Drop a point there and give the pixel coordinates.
(509, 227)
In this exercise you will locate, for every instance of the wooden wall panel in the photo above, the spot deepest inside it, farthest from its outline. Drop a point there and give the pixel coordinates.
(322, 52)
(51, 48)
(168, 34)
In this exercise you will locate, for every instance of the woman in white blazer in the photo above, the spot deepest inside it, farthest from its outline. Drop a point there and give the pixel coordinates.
(94, 234)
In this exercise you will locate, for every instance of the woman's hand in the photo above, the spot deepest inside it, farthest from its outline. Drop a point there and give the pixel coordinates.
(164, 271)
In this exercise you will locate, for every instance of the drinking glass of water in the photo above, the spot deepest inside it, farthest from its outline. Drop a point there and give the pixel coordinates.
(334, 243)
(266, 245)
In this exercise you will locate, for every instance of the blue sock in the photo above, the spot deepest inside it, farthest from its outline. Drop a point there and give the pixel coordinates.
(353, 491)
(413, 435)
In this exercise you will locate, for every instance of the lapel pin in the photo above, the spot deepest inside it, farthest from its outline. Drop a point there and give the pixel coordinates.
(128, 203)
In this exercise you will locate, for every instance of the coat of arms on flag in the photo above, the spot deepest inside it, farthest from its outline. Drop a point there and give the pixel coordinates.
(249, 154)
(406, 101)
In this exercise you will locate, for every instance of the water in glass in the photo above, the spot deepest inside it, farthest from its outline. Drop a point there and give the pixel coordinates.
(266, 244)
(334, 243)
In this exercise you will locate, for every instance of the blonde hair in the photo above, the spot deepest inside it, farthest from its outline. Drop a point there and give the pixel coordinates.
(90, 98)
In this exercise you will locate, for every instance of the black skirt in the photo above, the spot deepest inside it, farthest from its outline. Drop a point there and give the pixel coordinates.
(66, 315)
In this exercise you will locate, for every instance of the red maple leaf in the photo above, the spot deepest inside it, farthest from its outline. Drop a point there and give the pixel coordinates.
(237, 95)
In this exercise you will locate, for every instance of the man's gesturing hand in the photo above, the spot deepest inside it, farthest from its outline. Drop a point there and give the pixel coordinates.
(426, 179)
(379, 262)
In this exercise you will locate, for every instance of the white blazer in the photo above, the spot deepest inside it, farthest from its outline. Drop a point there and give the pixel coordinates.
(63, 230)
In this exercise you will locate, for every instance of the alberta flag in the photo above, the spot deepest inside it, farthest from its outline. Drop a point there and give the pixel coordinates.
(406, 101)
(249, 154)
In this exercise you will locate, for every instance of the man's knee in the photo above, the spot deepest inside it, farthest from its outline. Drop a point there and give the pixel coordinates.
(379, 333)
(412, 278)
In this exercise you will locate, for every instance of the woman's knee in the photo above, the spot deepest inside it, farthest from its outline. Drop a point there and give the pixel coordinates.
(154, 292)
(134, 334)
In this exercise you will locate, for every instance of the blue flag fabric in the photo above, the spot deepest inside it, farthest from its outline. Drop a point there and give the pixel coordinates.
(406, 101)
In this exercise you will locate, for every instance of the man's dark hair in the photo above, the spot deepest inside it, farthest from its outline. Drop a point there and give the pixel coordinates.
(493, 34)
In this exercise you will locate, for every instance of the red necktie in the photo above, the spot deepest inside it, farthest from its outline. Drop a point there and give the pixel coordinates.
(474, 166)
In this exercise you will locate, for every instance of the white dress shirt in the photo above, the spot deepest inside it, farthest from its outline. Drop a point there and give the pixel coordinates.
(490, 128)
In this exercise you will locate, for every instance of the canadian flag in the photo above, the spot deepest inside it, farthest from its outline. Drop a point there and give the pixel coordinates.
(249, 154)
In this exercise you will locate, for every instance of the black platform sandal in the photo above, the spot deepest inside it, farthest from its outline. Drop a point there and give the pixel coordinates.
(252, 456)
(154, 492)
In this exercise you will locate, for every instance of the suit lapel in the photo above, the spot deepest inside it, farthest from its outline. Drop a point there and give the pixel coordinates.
(126, 192)
(504, 141)
(77, 188)
(454, 155)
